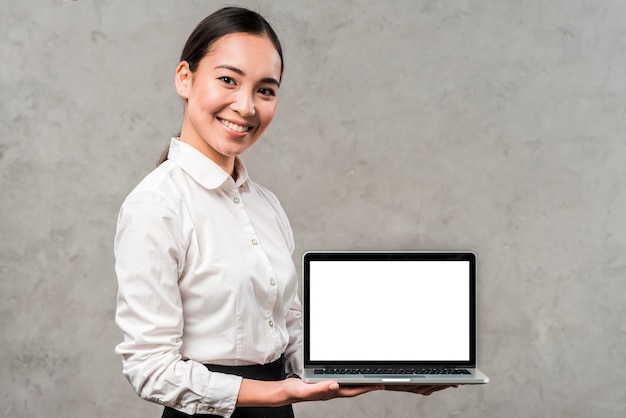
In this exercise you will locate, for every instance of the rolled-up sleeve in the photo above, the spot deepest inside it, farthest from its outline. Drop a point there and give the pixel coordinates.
(149, 253)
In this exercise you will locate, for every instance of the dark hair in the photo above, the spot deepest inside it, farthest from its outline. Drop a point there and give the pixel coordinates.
(221, 23)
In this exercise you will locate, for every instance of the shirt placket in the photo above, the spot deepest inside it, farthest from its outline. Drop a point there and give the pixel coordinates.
(268, 277)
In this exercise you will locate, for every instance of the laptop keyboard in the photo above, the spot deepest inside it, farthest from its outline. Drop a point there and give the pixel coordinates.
(392, 371)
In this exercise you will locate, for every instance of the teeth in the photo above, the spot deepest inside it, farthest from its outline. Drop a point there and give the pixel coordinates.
(234, 127)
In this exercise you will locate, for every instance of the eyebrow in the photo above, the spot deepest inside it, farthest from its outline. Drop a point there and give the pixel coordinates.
(269, 80)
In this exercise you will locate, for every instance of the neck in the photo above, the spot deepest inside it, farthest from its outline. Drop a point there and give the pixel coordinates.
(226, 163)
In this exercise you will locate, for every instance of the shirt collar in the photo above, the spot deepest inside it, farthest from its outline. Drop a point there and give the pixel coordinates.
(201, 168)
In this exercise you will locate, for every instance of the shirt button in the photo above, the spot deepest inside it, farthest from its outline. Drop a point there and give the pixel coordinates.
(236, 200)
(273, 282)
(270, 323)
(254, 241)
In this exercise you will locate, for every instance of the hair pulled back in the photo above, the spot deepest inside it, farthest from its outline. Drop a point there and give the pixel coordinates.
(224, 22)
(221, 23)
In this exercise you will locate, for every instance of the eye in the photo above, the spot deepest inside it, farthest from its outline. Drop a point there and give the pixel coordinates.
(267, 92)
(227, 80)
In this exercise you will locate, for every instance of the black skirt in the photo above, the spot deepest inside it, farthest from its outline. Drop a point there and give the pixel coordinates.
(269, 372)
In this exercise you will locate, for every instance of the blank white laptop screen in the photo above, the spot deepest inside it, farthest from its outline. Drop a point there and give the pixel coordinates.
(389, 310)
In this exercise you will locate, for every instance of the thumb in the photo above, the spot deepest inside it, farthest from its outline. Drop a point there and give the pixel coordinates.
(333, 386)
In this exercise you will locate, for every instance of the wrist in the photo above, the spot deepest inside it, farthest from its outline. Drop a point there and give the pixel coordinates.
(290, 391)
(276, 393)
(257, 393)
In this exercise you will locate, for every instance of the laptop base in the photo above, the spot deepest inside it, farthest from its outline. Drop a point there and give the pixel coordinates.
(474, 377)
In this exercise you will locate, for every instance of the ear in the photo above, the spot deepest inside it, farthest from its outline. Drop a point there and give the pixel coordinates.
(182, 79)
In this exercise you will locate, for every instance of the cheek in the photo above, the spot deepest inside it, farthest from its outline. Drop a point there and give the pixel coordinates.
(207, 99)
(268, 111)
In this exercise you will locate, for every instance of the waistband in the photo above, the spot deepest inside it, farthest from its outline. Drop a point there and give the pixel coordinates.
(269, 372)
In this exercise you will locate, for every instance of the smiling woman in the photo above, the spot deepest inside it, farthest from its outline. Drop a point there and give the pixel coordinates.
(208, 292)
(229, 20)
(231, 98)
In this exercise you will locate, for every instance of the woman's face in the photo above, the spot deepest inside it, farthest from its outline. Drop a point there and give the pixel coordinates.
(231, 98)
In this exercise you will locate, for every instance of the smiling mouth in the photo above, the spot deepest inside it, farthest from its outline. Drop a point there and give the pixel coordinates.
(234, 127)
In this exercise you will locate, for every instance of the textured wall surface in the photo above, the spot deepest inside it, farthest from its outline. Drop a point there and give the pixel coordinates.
(493, 126)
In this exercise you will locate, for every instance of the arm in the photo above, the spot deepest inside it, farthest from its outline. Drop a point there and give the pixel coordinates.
(149, 247)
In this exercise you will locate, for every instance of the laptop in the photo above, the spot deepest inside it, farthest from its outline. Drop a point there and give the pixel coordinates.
(390, 318)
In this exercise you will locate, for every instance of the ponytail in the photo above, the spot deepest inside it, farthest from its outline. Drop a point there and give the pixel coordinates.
(163, 156)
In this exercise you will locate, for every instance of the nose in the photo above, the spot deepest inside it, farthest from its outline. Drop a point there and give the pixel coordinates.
(244, 103)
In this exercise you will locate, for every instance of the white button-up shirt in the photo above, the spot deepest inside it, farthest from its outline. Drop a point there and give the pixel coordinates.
(205, 275)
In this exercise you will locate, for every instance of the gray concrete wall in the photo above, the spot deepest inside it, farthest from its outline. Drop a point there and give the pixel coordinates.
(494, 126)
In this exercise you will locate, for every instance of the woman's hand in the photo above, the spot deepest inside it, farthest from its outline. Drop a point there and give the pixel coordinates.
(425, 390)
(293, 390)
(299, 391)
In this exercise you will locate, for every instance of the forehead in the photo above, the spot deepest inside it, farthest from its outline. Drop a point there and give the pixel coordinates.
(253, 54)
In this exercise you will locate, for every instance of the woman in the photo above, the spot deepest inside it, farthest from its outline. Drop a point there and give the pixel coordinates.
(207, 285)
(207, 294)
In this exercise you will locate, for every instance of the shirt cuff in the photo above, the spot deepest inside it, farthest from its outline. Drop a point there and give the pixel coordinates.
(223, 390)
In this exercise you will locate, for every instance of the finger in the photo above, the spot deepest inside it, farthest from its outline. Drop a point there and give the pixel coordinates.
(424, 389)
(435, 388)
(333, 386)
(354, 390)
(324, 390)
